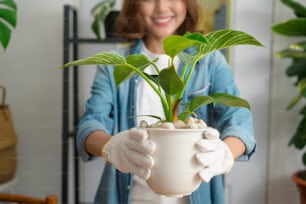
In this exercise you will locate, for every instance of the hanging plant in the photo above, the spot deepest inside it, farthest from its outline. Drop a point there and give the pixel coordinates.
(8, 20)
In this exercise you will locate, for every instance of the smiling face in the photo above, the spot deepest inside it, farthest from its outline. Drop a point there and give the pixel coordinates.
(161, 18)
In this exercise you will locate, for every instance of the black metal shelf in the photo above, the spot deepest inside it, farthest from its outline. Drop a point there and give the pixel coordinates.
(70, 103)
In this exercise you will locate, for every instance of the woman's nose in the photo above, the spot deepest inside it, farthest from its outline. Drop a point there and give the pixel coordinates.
(161, 5)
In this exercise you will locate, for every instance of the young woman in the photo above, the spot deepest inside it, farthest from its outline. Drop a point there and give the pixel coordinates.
(107, 130)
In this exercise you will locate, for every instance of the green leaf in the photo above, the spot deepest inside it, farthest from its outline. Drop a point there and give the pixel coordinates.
(153, 77)
(304, 158)
(138, 60)
(186, 57)
(217, 98)
(230, 100)
(8, 3)
(9, 16)
(293, 102)
(297, 68)
(298, 141)
(291, 53)
(125, 72)
(292, 27)
(170, 81)
(100, 58)
(221, 39)
(122, 73)
(102, 7)
(199, 101)
(298, 8)
(99, 12)
(95, 27)
(299, 138)
(197, 36)
(174, 44)
(296, 50)
(8, 13)
(302, 87)
(302, 93)
(5, 35)
(303, 111)
(184, 115)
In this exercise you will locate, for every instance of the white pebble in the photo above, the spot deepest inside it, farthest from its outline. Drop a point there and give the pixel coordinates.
(179, 124)
(167, 125)
(143, 124)
(201, 124)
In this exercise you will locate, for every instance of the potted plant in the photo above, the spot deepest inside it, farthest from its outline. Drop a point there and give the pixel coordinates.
(103, 15)
(170, 87)
(8, 20)
(296, 27)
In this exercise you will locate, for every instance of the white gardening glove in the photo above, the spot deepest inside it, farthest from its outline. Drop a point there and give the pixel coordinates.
(214, 154)
(129, 151)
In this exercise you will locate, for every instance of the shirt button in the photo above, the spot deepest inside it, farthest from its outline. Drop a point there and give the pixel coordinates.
(128, 187)
(136, 81)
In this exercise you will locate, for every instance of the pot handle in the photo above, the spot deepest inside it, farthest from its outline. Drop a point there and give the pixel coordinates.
(3, 95)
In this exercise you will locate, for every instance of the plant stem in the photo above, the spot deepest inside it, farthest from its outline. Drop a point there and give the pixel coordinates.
(186, 79)
(169, 113)
(166, 105)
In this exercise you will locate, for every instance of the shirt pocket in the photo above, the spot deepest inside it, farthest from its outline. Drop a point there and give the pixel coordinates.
(201, 112)
(199, 92)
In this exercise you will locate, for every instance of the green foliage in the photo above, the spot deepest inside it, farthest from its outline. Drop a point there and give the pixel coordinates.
(99, 12)
(167, 83)
(296, 27)
(8, 20)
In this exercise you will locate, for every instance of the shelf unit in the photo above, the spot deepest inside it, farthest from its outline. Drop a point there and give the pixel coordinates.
(70, 103)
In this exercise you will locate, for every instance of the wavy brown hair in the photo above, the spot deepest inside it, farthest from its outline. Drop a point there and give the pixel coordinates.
(129, 23)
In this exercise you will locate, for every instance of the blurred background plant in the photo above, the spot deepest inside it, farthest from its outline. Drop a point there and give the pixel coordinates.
(99, 13)
(8, 20)
(296, 27)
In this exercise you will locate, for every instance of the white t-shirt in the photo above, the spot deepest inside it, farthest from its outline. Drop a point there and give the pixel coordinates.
(148, 103)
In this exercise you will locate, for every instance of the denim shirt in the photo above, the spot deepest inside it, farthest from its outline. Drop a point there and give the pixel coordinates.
(109, 109)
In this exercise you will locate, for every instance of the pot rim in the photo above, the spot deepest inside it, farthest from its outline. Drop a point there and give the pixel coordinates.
(177, 129)
(297, 179)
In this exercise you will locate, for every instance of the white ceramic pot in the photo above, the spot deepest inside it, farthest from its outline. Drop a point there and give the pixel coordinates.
(175, 172)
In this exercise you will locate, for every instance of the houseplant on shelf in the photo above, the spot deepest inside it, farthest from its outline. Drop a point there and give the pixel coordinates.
(170, 87)
(8, 20)
(102, 12)
(296, 27)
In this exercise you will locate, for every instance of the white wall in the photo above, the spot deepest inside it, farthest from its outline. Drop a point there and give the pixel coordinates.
(29, 71)
(246, 183)
(283, 160)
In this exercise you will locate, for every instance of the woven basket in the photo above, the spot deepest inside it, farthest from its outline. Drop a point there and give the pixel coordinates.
(8, 142)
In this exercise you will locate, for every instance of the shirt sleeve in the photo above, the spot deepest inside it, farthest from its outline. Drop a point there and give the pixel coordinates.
(231, 121)
(98, 113)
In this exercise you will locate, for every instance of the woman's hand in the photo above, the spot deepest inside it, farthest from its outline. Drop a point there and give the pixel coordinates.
(214, 155)
(130, 152)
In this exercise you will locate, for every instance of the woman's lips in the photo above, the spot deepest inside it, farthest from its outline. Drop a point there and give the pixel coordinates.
(162, 20)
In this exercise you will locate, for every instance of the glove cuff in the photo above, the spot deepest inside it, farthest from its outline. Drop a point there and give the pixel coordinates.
(105, 150)
(231, 158)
